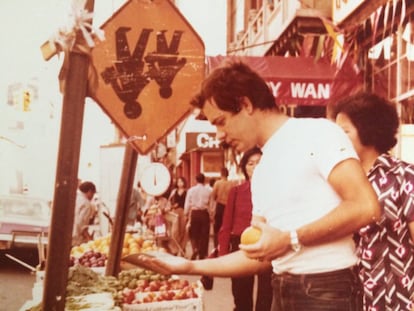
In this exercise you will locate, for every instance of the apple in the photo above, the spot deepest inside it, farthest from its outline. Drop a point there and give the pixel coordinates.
(129, 297)
(143, 283)
(154, 285)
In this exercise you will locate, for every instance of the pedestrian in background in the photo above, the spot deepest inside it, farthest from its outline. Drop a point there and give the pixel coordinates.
(177, 201)
(136, 205)
(309, 196)
(196, 210)
(237, 217)
(155, 218)
(386, 248)
(220, 194)
(85, 211)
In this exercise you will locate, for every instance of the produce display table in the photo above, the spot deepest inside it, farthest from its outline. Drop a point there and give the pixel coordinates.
(135, 288)
(194, 304)
(132, 290)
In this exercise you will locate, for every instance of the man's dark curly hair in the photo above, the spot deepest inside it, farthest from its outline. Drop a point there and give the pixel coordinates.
(229, 83)
(374, 117)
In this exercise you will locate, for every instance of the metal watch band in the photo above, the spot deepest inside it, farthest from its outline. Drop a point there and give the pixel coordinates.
(294, 241)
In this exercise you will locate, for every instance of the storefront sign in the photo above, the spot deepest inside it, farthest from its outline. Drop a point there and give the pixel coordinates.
(300, 90)
(297, 81)
(201, 141)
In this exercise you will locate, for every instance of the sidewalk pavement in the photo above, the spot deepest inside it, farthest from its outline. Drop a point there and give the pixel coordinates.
(219, 297)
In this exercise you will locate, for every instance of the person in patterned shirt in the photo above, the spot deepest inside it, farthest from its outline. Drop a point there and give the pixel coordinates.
(386, 249)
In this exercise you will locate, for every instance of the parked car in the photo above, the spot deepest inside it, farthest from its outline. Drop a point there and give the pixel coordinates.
(24, 221)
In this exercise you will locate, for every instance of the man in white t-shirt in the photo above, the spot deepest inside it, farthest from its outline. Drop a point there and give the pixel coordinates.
(309, 196)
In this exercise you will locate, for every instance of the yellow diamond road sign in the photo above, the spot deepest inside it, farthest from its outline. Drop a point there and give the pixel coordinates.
(149, 67)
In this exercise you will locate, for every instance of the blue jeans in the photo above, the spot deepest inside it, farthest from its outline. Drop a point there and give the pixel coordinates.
(336, 290)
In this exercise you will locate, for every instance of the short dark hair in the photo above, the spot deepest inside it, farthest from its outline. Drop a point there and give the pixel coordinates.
(229, 83)
(200, 178)
(87, 186)
(245, 158)
(182, 179)
(375, 118)
(224, 172)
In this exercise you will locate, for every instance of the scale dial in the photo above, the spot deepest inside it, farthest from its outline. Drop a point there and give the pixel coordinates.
(155, 179)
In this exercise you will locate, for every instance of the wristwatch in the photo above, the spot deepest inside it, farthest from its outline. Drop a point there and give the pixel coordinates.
(294, 241)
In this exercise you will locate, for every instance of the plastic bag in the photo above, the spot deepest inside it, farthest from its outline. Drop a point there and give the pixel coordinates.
(160, 229)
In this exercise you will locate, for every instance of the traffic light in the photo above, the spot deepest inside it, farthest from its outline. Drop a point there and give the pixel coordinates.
(26, 101)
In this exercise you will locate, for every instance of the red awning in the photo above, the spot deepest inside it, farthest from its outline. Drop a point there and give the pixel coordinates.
(298, 80)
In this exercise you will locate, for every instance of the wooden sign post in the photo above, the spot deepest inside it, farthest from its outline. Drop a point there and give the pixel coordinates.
(60, 235)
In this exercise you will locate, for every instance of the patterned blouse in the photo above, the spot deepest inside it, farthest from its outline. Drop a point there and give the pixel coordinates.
(386, 250)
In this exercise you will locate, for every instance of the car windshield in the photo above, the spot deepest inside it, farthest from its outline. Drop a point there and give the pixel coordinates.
(24, 208)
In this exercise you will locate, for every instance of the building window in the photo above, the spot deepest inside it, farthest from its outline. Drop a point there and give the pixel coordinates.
(407, 111)
(211, 163)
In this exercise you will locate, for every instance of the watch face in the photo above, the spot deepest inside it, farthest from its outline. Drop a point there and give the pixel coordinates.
(294, 241)
(155, 179)
(296, 247)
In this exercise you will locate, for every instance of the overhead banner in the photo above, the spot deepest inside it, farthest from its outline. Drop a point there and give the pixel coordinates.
(297, 81)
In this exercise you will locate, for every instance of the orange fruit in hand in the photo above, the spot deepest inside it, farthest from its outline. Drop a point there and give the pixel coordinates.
(250, 235)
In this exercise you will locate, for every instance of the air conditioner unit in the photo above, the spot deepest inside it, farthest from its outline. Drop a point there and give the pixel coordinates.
(239, 35)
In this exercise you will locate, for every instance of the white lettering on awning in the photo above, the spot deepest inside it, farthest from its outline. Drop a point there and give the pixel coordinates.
(306, 90)
(274, 87)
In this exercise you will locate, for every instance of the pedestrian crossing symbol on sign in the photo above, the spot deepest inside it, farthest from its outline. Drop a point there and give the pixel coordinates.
(149, 67)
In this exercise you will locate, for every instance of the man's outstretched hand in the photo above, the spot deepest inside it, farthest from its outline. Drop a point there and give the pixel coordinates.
(159, 262)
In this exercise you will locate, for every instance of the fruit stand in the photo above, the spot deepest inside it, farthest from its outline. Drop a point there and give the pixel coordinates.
(133, 289)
